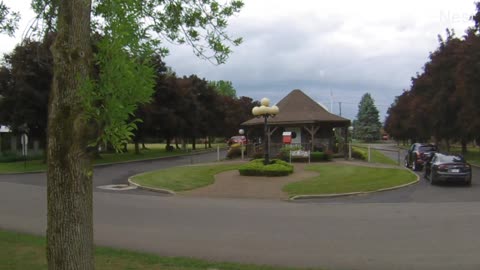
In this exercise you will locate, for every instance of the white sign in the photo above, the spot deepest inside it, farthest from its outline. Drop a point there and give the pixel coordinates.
(24, 141)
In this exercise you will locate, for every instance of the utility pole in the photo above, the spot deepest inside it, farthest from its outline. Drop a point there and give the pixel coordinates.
(340, 107)
(331, 101)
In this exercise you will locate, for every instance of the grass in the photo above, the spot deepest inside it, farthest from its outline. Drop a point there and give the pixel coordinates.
(343, 179)
(472, 156)
(375, 155)
(153, 151)
(183, 178)
(20, 167)
(21, 251)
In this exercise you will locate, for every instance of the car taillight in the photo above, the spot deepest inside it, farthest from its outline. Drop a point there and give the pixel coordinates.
(443, 168)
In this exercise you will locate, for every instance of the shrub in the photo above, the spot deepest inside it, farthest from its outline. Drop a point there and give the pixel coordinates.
(359, 154)
(8, 156)
(320, 156)
(169, 148)
(257, 168)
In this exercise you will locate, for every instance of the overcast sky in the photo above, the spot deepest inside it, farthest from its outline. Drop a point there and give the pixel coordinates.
(325, 48)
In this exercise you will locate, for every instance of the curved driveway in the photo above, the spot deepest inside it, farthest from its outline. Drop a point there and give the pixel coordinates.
(420, 227)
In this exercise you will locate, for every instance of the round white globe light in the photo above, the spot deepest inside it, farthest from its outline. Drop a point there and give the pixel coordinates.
(274, 110)
(241, 131)
(263, 110)
(265, 102)
(255, 110)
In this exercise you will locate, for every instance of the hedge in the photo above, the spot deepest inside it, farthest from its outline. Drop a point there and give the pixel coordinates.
(257, 168)
(358, 153)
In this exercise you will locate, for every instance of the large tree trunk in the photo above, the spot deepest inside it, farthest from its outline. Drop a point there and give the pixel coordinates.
(69, 173)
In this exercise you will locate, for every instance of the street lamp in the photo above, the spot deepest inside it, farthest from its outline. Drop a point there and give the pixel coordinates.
(265, 111)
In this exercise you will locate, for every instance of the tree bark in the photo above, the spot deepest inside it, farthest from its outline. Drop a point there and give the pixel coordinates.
(69, 173)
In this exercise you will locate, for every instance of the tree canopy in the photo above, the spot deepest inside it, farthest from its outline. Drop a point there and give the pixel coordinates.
(444, 99)
(86, 107)
(367, 125)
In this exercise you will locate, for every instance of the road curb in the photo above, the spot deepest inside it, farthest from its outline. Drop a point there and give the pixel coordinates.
(326, 196)
(159, 190)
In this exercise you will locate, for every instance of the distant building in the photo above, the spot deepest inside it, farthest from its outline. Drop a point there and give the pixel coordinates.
(312, 124)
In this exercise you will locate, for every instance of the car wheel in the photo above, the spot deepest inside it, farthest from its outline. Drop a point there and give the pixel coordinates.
(406, 162)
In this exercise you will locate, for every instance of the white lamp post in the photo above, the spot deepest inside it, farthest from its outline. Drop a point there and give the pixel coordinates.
(265, 111)
(241, 132)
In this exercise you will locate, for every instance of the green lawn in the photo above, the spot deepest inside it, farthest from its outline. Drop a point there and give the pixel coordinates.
(19, 167)
(21, 251)
(472, 156)
(376, 156)
(337, 178)
(184, 177)
(153, 151)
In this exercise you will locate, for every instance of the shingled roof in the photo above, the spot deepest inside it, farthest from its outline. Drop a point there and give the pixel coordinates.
(298, 108)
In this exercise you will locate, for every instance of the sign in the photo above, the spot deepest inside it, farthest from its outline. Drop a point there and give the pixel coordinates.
(24, 141)
(287, 137)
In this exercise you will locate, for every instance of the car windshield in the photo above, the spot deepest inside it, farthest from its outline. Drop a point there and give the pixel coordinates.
(428, 148)
(448, 159)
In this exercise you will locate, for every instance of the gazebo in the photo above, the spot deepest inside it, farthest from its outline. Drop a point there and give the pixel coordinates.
(299, 114)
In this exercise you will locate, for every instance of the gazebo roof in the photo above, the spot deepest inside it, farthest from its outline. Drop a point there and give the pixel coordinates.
(298, 108)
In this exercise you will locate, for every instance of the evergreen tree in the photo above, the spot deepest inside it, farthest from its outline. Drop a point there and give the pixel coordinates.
(367, 126)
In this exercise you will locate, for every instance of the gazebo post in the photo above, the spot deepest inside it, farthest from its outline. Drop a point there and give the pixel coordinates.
(312, 132)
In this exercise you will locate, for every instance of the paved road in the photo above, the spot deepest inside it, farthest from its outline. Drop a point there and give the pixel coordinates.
(419, 193)
(403, 233)
(119, 173)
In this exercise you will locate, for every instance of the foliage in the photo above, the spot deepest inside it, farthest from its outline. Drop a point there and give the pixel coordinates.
(443, 101)
(320, 156)
(334, 179)
(25, 80)
(85, 109)
(359, 154)
(224, 88)
(257, 168)
(284, 153)
(8, 19)
(367, 126)
(7, 157)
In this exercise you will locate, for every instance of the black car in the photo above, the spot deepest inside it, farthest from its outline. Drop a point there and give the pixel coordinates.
(444, 167)
(418, 154)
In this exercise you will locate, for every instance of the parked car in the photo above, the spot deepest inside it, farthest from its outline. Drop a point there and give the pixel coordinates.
(443, 167)
(418, 154)
(237, 139)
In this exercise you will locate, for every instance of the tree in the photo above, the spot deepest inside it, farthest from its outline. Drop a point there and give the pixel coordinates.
(224, 88)
(8, 19)
(26, 90)
(84, 109)
(367, 126)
